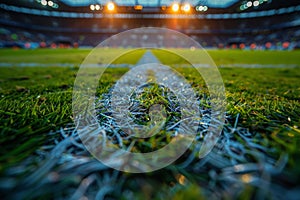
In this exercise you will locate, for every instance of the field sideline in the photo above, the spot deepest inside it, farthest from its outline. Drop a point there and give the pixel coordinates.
(37, 100)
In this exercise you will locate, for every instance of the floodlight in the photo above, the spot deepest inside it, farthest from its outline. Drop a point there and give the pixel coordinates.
(186, 7)
(175, 7)
(92, 7)
(255, 3)
(44, 2)
(110, 6)
(50, 3)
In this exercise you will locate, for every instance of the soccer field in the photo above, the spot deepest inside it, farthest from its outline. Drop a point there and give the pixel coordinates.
(263, 100)
(220, 57)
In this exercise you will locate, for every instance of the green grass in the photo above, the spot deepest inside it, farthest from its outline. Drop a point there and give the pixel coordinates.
(220, 57)
(65, 56)
(254, 57)
(43, 55)
(229, 57)
(34, 101)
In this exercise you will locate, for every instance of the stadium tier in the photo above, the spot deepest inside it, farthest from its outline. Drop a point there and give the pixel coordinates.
(266, 26)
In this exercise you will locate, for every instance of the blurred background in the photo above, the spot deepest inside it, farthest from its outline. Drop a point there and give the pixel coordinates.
(253, 24)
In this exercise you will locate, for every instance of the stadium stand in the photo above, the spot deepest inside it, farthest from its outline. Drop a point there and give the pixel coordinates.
(271, 26)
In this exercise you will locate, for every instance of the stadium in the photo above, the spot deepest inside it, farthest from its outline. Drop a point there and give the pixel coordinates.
(94, 93)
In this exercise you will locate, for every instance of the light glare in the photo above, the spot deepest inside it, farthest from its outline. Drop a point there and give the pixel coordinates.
(255, 3)
(186, 7)
(175, 7)
(110, 6)
(249, 3)
(44, 2)
(50, 3)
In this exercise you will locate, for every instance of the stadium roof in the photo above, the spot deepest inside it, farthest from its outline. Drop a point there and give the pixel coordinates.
(153, 3)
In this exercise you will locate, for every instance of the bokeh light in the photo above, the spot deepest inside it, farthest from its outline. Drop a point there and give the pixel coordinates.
(186, 7)
(175, 7)
(92, 7)
(110, 6)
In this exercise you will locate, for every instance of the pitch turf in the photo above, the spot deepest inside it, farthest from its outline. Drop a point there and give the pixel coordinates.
(37, 100)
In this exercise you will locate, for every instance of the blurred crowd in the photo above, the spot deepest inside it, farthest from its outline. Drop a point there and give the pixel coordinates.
(280, 32)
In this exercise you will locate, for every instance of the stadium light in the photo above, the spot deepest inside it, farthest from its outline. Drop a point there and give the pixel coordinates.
(186, 7)
(92, 7)
(50, 3)
(95, 7)
(44, 2)
(138, 7)
(256, 3)
(110, 6)
(249, 4)
(201, 8)
(175, 7)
